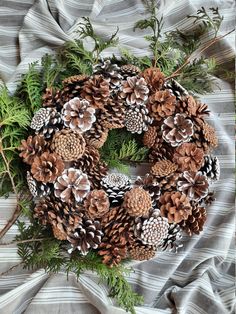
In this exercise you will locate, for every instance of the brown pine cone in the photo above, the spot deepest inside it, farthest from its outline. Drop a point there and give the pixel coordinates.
(129, 70)
(113, 114)
(97, 204)
(88, 160)
(134, 90)
(68, 144)
(47, 167)
(170, 182)
(113, 253)
(142, 252)
(96, 90)
(195, 221)
(150, 184)
(160, 150)
(154, 78)
(72, 185)
(32, 147)
(96, 174)
(97, 135)
(137, 202)
(175, 206)
(48, 97)
(163, 168)
(75, 79)
(149, 137)
(161, 105)
(189, 157)
(210, 135)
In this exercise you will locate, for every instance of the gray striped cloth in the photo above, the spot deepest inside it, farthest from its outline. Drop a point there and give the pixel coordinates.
(200, 278)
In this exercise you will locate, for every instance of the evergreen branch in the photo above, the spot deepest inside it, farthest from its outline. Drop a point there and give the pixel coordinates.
(24, 241)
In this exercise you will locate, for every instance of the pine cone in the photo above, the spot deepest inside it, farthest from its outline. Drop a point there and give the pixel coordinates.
(37, 189)
(87, 236)
(115, 185)
(161, 105)
(149, 137)
(129, 70)
(168, 183)
(89, 159)
(134, 90)
(32, 147)
(211, 168)
(142, 252)
(48, 97)
(75, 80)
(160, 150)
(72, 184)
(137, 119)
(189, 157)
(193, 109)
(96, 174)
(170, 243)
(113, 114)
(97, 204)
(177, 129)
(113, 254)
(194, 185)
(150, 184)
(195, 221)
(176, 90)
(96, 90)
(47, 167)
(46, 121)
(210, 135)
(78, 115)
(154, 78)
(110, 71)
(68, 144)
(175, 206)
(163, 168)
(97, 135)
(137, 202)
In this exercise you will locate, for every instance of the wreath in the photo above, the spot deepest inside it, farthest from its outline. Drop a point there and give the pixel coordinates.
(76, 124)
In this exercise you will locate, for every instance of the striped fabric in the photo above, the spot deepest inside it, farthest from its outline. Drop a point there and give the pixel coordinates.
(198, 280)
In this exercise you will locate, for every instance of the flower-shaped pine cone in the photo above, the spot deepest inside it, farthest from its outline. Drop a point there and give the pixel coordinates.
(32, 147)
(163, 168)
(96, 204)
(137, 202)
(154, 78)
(134, 90)
(189, 157)
(161, 105)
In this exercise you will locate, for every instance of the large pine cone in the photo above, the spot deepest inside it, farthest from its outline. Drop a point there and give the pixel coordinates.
(163, 168)
(32, 147)
(175, 206)
(113, 114)
(88, 160)
(97, 204)
(78, 115)
(161, 105)
(137, 119)
(134, 90)
(47, 167)
(196, 111)
(142, 252)
(154, 78)
(195, 221)
(96, 90)
(189, 157)
(72, 184)
(68, 144)
(177, 129)
(97, 135)
(137, 202)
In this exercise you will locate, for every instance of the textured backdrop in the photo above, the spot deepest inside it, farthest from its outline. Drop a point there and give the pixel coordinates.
(200, 279)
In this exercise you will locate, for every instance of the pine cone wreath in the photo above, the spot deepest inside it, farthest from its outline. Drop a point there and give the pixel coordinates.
(97, 135)
(96, 204)
(112, 116)
(194, 184)
(154, 78)
(115, 185)
(47, 167)
(211, 168)
(137, 119)
(68, 144)
(137, 202)
(163, 168)
(171, 242)
(195, 221)
(177, 129)
(149, 137)
(37, 189)
(88, 160)
(134, 91)
(161, 105)
(142, 252)
(72, 184)
(78, 115)
(97, 91)
(110, 71)
(32, 147)
(175, 206)
(128, 70)
(189, 157)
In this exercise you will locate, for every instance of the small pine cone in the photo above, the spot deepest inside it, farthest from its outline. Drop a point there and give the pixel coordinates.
(175, 206)
(211, 168)
(195, 221)
(129, 70)
(89, 159)
(170, 182)
(137, 119)
(189, 157)
(78, 115)
(96, 174)
(86, 236)
(177, 129)
(47, 167)
(113, 114)
(150, 184)
(37, 189)
(154, 78)
(149, 137)
(163, 168)
(209, 134)
(110, 71)
(194, 185)
(72, 184)
(170, 243)
(142, 252)
(97, 135)
(68, 144)
(134, 90)
(32, 147)
(75, 79)
(161, 105)
(97, 91)
(46, 121)
(137, 202)
(113, 254)
(115, 185)
(176, 90)
(96, 204)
